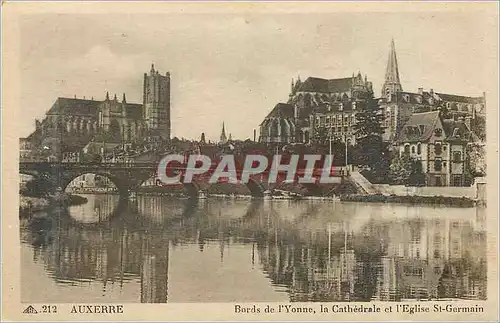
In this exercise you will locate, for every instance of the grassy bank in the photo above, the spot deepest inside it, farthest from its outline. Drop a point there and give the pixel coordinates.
(423, 200)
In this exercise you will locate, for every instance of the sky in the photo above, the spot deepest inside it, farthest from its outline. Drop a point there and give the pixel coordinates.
(234, 68)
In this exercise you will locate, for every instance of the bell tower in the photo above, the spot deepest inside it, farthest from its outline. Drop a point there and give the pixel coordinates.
(156, 97)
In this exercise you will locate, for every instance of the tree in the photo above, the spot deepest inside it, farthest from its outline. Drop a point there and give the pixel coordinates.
(371, 149)
(475, 162)
(478, 125)
(406, 171)
(321, 137)
(417, 176)
(40, 187)
(400, 169)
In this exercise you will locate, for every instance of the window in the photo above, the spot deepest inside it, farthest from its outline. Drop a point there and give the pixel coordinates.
(412, 149)
(419, 149)
(437, 148)
(438, 164)
(438, 132)
(413, 271)
(407, 149)
(457, 156)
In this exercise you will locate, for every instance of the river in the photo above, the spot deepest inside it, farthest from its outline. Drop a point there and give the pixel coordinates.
(157, 250)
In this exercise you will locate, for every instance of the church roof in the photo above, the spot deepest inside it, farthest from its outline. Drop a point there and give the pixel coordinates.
(67, 106)
(281, 110)
(460, 98)
(82, 107)
(315, 84)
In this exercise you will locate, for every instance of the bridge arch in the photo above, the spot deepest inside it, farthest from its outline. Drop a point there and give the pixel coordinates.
(120, 184)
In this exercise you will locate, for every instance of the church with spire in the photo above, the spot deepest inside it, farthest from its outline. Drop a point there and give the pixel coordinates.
(399, 105)
(317, 104)
(223, 139)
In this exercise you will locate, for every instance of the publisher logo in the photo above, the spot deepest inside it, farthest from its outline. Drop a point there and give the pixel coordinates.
(30, 310)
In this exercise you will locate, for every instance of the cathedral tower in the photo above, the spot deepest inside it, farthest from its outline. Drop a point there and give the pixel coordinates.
(392, 84)
(157, 103)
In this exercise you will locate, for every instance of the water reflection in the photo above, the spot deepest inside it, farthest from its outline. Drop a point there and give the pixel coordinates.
(159, 250)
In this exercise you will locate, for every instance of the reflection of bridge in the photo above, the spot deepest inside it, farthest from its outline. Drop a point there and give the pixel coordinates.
(128, 177)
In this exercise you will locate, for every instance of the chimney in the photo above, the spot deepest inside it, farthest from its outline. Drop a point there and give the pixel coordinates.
(431, 91)
(420, 90)
(254, 134)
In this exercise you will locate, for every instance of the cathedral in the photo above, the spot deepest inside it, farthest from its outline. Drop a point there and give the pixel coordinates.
(331, 103)
(317, 103)
(72, 123)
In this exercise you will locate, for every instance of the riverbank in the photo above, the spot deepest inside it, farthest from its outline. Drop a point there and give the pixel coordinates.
(281, 195)
(31, 204)
(411, 199)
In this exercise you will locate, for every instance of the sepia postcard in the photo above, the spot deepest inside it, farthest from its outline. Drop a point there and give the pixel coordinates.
(249, 161)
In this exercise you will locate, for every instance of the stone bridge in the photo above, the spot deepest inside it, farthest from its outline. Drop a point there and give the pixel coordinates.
(127, 177)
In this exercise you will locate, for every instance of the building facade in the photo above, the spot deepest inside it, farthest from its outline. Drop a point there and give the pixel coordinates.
(72, 123)
(440, 145)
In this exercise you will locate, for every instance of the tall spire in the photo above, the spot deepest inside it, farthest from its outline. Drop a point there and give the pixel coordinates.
(223, 138)
(392, 83)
